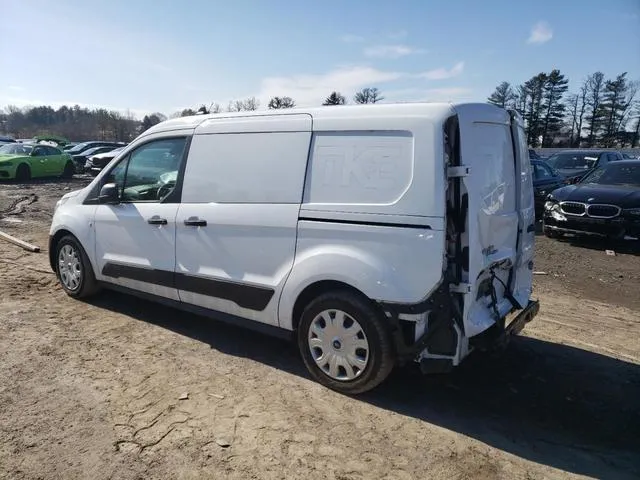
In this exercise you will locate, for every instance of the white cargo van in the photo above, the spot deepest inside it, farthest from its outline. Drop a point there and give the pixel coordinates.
(373, 235)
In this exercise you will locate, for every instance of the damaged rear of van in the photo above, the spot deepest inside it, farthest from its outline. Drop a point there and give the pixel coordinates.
(372, 235)
(426, 212)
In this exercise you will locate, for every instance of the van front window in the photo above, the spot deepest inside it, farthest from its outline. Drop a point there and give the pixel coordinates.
(149, 173)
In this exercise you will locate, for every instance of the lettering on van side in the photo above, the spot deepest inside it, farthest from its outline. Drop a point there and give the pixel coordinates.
(372, 167)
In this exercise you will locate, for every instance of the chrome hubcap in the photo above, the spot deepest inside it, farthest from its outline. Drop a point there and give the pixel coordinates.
(338, 345)
(69, 267)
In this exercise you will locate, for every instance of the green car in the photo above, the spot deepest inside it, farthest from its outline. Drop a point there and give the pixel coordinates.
(23, 161)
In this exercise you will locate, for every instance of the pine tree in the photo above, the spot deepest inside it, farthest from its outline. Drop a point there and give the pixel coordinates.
(503, 96)
(335, 99)
(614, 107)
(534, 88)
(555, 87)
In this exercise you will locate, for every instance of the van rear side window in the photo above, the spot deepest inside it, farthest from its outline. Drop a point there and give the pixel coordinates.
(246, 168)
(360, 167)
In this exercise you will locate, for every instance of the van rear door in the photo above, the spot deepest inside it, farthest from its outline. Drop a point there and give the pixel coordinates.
(499, 231)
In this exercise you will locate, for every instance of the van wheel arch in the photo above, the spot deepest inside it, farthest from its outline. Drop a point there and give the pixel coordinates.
(319, 288)
(53, 246)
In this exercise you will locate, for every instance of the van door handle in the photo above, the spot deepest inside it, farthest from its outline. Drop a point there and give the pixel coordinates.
(156, 220)
(195, 222)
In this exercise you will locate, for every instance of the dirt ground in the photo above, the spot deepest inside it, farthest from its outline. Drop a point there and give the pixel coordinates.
(118, 388)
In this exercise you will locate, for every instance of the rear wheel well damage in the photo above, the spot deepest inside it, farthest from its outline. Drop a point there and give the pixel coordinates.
(441, 335)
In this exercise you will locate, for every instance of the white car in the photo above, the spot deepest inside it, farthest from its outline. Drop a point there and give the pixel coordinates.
(372, 235)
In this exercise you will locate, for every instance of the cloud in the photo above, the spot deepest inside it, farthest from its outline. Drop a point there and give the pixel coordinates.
(349, 38)
(309, 90)
(442, 73)
(540, 33)
(15, 88)
(391, 51)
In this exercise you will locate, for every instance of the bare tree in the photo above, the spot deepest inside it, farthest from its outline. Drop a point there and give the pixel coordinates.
(595, 87)
(584, 91)
(636, 130)
(368, 95)
(247, 104)
(572, 115)
(251, 103)
(281, 102)
(520, 101)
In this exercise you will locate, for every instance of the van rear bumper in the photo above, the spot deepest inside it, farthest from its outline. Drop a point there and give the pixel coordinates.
(525, 316)
(499, 336)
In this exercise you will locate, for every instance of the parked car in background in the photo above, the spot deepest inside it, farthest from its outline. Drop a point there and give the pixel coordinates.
(545, 180)
(95, 163)
(628, 156)
(80, 159)
(4, 140)
(604, 203)
(69, 146)
(81, 147)
(23, 161)
(575, 164)
(533, 155)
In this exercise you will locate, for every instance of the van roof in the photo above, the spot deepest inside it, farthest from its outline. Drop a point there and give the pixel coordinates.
(437, 110)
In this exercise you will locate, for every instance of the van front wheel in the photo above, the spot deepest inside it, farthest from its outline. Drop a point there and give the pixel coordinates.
(73, 268)
(345, 343)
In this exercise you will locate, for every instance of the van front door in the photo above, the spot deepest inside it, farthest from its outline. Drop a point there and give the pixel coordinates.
(237, 223)
(135, 239)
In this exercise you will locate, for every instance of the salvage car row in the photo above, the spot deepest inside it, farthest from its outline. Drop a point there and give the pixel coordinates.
(31, 159)
(587, 193)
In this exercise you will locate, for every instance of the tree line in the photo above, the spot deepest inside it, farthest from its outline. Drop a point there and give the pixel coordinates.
(602, 112)
(80, 124)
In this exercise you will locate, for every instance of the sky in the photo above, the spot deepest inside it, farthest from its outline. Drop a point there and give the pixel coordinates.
(165, 55)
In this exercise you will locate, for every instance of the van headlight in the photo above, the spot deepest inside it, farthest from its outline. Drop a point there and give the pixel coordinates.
(632, 211)
(550, 205)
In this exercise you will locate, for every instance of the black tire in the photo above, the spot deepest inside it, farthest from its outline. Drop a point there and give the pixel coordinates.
(381, 358)
(69, 170)
(87, 284)
(23, 173)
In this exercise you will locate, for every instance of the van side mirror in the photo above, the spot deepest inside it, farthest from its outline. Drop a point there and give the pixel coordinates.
(109, 194)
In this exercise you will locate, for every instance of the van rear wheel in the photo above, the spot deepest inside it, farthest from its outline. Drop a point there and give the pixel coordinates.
(345, 343)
